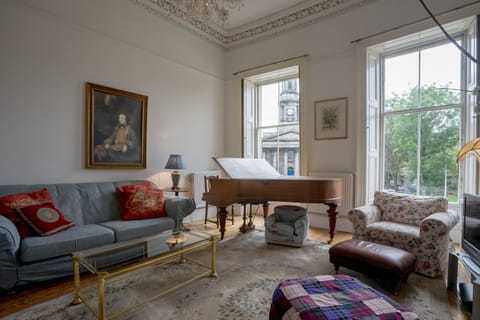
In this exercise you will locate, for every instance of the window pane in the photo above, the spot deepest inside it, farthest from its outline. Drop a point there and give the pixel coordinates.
(440, 139)
(269, 104)
(400, 158)
(280, 147)
(436, 144)
(436, 75)
(401, 82)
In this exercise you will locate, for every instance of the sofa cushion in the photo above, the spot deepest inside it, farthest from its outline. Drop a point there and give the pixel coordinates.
(408, 209)
(9, 202)
(142, 204)
(45, 219)
(74, 239)
(128, 230)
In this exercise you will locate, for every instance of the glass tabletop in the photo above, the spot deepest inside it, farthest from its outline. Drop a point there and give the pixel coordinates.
(113, 256)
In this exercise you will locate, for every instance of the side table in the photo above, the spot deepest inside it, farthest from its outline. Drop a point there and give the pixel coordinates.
(176, 190)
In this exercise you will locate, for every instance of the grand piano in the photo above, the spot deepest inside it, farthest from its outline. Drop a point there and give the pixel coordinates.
(256, 181)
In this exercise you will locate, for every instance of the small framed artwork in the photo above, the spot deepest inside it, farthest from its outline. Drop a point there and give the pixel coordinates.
(331, 119)
(116, 127)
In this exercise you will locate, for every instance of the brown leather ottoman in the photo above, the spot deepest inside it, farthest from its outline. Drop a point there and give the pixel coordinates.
(373, 259)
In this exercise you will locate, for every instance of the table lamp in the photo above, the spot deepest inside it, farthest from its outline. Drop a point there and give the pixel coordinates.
(175, 163)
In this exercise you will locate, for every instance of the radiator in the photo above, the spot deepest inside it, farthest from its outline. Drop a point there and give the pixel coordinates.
(347, 201)
(198, 187)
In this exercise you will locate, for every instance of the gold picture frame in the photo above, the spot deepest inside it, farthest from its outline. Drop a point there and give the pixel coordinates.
(331, 119)
(116, 126)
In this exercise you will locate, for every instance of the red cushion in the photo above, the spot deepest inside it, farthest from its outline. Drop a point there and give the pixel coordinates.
(130, 187)
(44, 218)
(142, 204)
(9, 202)
(133, 187)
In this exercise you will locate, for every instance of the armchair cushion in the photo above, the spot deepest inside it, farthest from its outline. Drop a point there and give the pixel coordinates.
(283, 228)
(290, 214)
(408, 209)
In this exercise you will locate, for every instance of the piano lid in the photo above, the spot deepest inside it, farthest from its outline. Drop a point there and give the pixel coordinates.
(246, 168)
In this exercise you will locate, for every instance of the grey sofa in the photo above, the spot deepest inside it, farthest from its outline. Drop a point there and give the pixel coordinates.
(95, 209)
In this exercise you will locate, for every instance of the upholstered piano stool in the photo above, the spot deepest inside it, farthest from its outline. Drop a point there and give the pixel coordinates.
(333, 297)
(380, 261)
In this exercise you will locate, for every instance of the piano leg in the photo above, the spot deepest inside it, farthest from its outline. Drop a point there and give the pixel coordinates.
(222, 214)
(265, 209)
(244, 228)
(332, 219)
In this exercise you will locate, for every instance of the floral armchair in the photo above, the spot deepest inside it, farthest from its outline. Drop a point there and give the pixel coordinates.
(420, 225)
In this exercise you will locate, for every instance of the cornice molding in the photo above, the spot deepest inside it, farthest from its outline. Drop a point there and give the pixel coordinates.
(305, 13)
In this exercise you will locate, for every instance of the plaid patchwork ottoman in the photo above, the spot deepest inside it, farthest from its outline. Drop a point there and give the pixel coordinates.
(333, 297)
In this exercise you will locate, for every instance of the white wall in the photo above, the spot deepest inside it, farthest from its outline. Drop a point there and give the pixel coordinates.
(331, 69)
(50, 48)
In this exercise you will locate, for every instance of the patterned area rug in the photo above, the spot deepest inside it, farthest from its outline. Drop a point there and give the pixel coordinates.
(248, 272)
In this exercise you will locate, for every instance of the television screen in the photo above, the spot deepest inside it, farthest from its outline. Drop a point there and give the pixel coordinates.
(471, 227)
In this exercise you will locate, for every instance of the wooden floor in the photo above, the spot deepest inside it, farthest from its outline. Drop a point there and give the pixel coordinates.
(39, 293)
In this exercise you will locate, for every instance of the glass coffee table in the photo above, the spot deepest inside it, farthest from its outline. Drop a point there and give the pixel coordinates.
(111, 261)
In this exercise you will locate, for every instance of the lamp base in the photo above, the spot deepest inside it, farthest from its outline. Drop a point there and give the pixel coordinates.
(175, 180)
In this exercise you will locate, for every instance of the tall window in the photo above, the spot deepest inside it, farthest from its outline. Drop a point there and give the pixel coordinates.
(421, 115)
(271, 119)
(418, 112)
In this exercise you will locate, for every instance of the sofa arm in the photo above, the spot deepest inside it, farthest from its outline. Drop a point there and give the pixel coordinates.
(438, 225)
(178, 208)
(362, 216)
(270, 220)
(9, 247)
(9, 236)
(302, 225)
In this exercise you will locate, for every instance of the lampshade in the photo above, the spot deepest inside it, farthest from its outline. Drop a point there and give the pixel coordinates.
(175, 162)
(471, 146)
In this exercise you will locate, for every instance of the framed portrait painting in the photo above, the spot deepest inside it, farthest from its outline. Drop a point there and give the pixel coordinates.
(331, 119)
(116, 128)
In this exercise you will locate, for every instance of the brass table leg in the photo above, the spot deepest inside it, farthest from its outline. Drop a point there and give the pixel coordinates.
(213, 244)
(101, 296)
(76, 277)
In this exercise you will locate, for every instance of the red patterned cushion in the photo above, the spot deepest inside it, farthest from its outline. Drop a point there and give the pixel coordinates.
(9, 202)
(133, 187)
(142, 204)
(44, 218)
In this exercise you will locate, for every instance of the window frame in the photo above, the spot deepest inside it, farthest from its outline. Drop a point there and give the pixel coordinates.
(367, 50)
(417, 47)
(301, 63)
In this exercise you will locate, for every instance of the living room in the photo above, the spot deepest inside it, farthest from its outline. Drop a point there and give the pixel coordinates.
(52, 48)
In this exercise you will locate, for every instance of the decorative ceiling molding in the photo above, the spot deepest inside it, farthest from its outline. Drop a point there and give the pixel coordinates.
(305, 13)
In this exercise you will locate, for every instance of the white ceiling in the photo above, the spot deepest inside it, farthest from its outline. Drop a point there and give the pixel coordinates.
(256, 19)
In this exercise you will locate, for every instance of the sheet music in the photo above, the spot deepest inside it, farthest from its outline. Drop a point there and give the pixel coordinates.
(243, 168)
